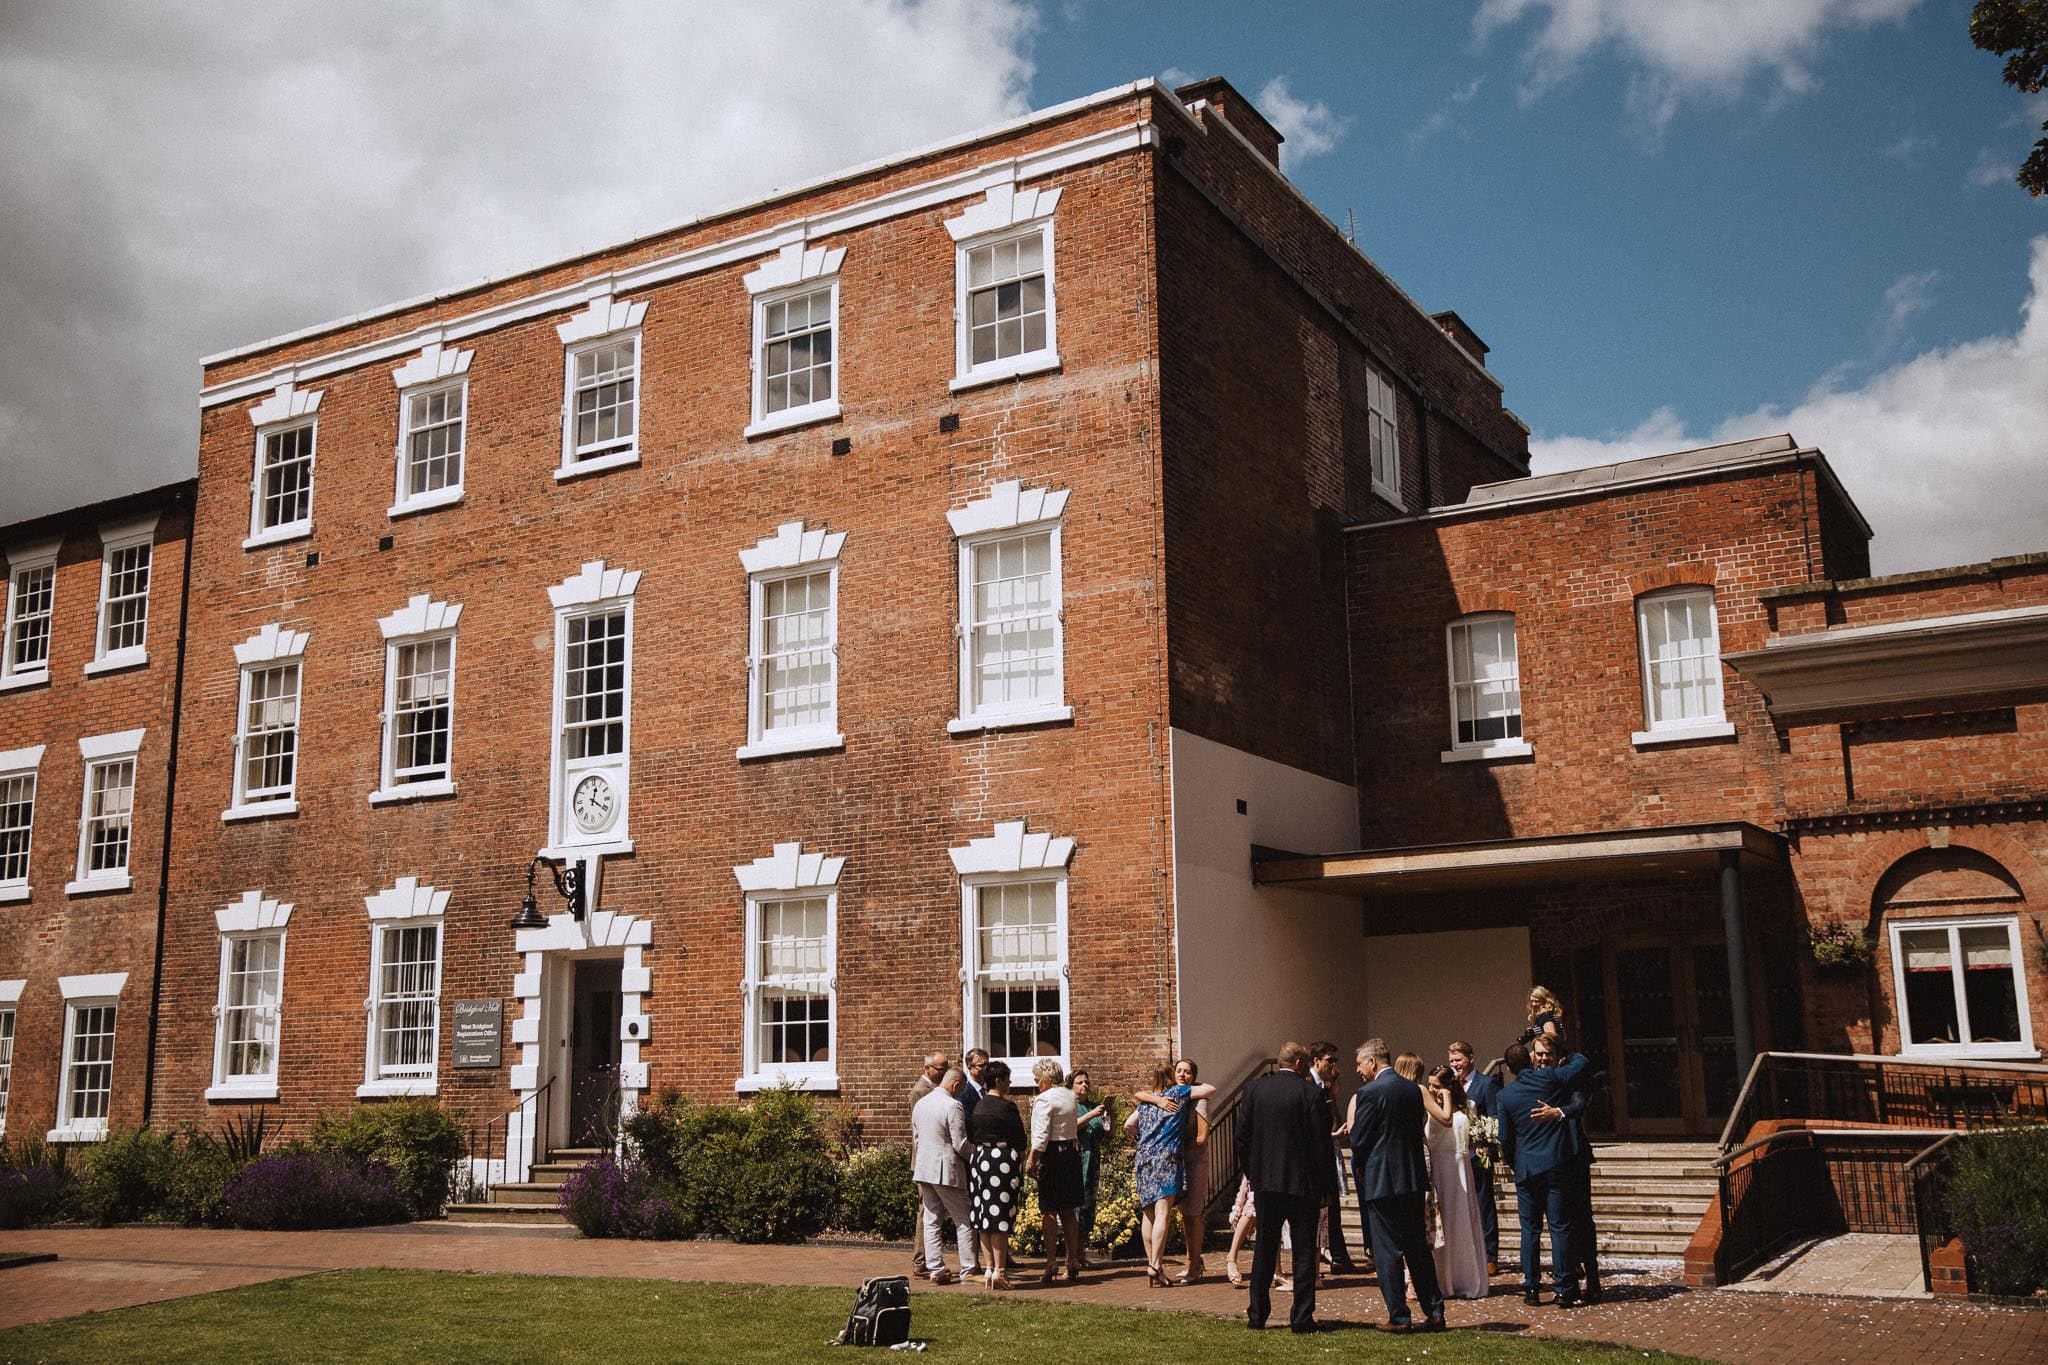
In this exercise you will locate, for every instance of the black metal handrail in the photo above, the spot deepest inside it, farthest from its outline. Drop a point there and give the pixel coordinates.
(1225, 1169)
(505, 1149)
(1928, 1170)
(1896, 1091)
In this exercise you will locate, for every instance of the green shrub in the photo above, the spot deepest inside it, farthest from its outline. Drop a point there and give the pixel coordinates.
(876, 1194)
(1997, 1202)
(761, 1172)
(199, 1178)
(416, 1138)
(125, 1177)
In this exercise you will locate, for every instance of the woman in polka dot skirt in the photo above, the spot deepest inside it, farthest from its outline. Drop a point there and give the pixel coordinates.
(995, 1175)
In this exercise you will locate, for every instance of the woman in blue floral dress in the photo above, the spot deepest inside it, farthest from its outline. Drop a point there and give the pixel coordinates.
(1162, 1170)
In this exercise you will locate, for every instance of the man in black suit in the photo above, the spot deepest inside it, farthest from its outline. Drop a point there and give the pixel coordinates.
(1322, 1069)
(1392, 1167)
(1485, 1096)
(1284, 1143)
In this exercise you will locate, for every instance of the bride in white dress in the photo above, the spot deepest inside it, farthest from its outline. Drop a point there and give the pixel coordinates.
(1460, 1242)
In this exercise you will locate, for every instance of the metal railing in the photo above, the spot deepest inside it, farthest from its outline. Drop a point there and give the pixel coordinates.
(1841, 1088)
(1225, 1167)
(1929, 1171)
(1814, 1182)
(504, 1150)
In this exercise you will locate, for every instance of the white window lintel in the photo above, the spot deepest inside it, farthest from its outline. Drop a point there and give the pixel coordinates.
(789, 868)
(287, 403)
(421, 615)
(1007, 505)
(407, 899)
(270, 644)
(121, 744)
(253, 912)
(103, 986)
(433, 364)
(119, 535)
(593, 583)
(602, 316)
(793, 265)
(1010, 849)
(1005, 206)
(791, 547)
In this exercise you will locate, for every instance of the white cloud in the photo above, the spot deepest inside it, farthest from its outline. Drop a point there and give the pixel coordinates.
(1945, 452)
(1685, 47)
(1904, 299)
(174, 180)
(1911, 146)
(1310, 129)
(1990, 170)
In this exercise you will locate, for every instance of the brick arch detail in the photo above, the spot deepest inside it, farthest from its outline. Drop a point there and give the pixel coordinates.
(1476, 600)
(1705, 574)
(1858, 892)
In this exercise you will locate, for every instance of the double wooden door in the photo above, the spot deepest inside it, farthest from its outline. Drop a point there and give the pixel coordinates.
(1655, 1014)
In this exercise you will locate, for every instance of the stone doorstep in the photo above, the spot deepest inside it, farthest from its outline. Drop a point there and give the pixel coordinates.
(484, 1214)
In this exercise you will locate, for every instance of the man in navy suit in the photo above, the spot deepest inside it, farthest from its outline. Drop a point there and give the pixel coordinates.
(1392, 1167)
(1283, 1141)
(1485, 1096)
(1545, 1155)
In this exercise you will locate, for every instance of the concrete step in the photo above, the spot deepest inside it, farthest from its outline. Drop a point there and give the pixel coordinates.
(576, 1156)
(1681, 1228)
(504, 1214)
(528, 1194)
(553, 1172)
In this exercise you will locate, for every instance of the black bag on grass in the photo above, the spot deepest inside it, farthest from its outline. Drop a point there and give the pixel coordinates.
(881, 1313)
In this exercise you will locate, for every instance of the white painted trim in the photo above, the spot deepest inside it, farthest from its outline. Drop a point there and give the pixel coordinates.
(966, 374)
(231, 1091)
(10, 991)
(808, 415)
(252, 912)
(286, 403)
(120, 744)
(117, 661)
(1002, 208)
(996, 371)
(433, 364)
(1683, 734)
(23, 760)
(790, 547)
(75, 1134)
(592, 584)
(278, 535)
(408, 1085)
(1007, 506)
(18, 681)
(86, 886)
(407, 899)
(103, 986)
(1480, 753)
(421, 615)
(620, 451)
(12, 893)
(602, 317)
(765, 297)
(793, 265)
(756, 1074)
(789, 869)
(1010, 849)
(623, 459)
(450, 496)
(33, 554)
(412, 791)
(762, 742)
(137, 530)
(260, 810)
(804, 743)
(811, 1083)
(1008, 720)
(2024, 1049)
(270, 645)
(971, 885)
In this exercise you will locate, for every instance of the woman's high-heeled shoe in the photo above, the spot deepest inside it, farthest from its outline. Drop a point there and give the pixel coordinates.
(1156, 1278)
(1234, 1275)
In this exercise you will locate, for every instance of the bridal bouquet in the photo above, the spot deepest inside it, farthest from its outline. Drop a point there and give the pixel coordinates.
(1485, 1139)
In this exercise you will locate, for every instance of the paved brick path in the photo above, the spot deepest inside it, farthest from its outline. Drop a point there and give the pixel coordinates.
(117, 1267)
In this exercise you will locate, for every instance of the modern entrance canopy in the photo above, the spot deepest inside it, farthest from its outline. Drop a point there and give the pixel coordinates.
(1613, 855)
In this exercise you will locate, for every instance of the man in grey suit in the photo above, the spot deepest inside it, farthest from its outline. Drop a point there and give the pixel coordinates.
(926, 1082)
(939, 1167)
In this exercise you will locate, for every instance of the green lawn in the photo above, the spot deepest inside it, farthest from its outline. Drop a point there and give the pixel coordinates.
(392, 1315)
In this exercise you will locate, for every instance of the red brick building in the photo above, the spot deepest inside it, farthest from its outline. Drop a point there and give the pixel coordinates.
(1045, 592)
(88, 686)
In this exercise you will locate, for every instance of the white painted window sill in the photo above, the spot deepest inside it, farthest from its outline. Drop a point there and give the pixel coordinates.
(790, 418)
(242, 1090)
(614, 848)
(810, 1083)
(996, 371)
(793, 744)
(86, 886)
(386, 1090)
(260, 810)
(1386, 492)
(15, 680)
(598, 464)
(76, 1135)
(1980, 1052)
(1482, 753)
(411, 791)
(1683, 734)
(115, 662)
(425, 502)
(278, 535)
(1007, 720)
(10, 894)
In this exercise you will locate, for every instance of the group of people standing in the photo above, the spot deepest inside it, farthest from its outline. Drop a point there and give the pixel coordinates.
(1420, 1149)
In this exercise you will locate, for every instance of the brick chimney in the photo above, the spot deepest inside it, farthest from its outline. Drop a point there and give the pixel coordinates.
(1236, 110)
(1457, 330)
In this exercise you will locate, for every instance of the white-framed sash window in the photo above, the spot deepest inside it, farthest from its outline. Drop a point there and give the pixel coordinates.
(31, 600)
(1005, 310)
(1961, 987)
(1678, 632)
(795, 361)
(405, 1005)
(281, 491)
(85, 1082)
(788, 982)
(251, 989)
(106, 824)
(268, 741)
(793, 642)
(17, 819)
(1015, 1001)
(1383, 435)
(122, 633)
(1012, 626)
(600, 387)
(1485, 687)
(593, 710)
(6, 1060)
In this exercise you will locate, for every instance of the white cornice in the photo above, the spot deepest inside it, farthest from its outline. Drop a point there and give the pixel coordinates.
(420, 615)
(1004, 207)
(254, 911)
(407, 899)
(601, 317)
(793, 265)
(1901, 661)
(1010, 849)
(435, 362)
(271, 643)
(1008, 504)
(594, 583)
(968, 184)
(287, 402)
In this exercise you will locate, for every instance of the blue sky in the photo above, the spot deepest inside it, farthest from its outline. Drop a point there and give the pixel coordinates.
(1675, 221)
